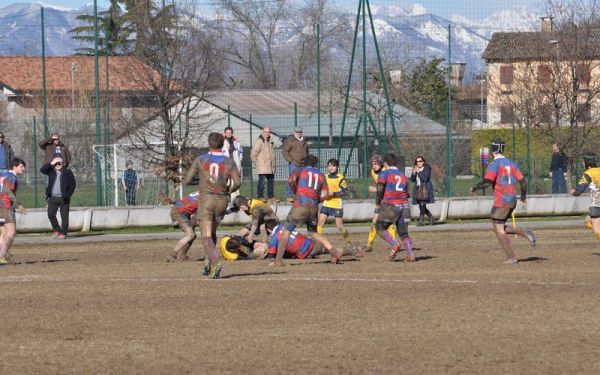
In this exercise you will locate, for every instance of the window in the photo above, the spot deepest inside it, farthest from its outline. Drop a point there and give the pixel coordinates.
(544, 74)
(506, 75)
(583, 74)
(507, 114)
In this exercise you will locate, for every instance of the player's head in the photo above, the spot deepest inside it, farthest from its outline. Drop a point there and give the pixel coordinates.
(240, 201)
(333, 165)
(390, 159)
(129, 164)
(376, 162)
(497, 146)
(230, 248)
(311, 161)
(590, 160)
(215, 140)
(17, 165)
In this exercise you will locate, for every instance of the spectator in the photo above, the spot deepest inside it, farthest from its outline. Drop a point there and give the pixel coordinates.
(295, 150)
(60, 188)
(232, 148)
(264, 161)
(6, 154)
(422, 189)
(54, 148)
(131, 183)
(558, 170)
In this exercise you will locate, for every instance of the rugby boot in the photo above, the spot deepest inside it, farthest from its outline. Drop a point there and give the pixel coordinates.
(530, 237)
(4, 261)
(215, 272)
(511, 261)
(409, 257)
(171, 259)
(206, 268)
(369, 249)
(394, 252)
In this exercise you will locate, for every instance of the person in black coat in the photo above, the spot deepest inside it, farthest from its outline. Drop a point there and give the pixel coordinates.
(421, 176)
(60, 188)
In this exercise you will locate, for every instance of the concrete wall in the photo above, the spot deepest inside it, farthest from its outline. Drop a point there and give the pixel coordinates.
(85, 219)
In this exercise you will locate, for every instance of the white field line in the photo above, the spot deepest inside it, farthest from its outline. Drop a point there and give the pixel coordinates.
(37, 278)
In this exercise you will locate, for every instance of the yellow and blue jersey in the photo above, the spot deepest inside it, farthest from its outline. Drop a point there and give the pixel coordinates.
(336, 184)
(591, 179)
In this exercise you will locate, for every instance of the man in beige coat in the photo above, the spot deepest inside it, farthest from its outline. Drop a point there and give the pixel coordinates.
(264, 163)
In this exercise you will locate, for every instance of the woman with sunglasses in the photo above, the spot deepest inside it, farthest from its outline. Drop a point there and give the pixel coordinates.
(422, 189)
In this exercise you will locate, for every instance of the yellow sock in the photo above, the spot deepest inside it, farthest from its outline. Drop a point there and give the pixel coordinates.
(345, 235)
(392, 230)
(372, 235)
(598, 235)
(320, 229)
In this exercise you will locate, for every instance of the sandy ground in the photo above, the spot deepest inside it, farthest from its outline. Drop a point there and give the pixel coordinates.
(117, 307)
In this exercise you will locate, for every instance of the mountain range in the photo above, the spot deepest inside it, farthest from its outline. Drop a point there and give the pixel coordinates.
(418, 32)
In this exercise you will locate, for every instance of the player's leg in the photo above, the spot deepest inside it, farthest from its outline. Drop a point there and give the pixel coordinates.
(311, 226)
(588, 222)
(372, 231)
(339, 223)
(523, 232)
(402, 221)
(8, 235)
(323, 215)
(499, 216)
(183, 245)
(595, 220)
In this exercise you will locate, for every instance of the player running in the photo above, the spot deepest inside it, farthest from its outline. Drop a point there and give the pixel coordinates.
(392, 201)
(503, 174)
(332, 206)
(214, 170)
(183, 214)
(376, 167)
(262, 215)
(9, 183)
(591, 179)
(308, 185)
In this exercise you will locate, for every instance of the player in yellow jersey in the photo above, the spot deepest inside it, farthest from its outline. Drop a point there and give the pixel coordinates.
(591, 179)
(376, 167)
(332, 206)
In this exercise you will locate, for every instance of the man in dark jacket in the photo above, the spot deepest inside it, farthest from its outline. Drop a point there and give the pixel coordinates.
(54, 148)
(61, 185)
(558, 170)
(6, 154)
(294, 150)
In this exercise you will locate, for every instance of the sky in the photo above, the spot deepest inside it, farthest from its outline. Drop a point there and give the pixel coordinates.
(472, 9)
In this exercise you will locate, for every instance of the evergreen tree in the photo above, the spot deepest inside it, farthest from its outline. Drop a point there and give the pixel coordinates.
(427, 89)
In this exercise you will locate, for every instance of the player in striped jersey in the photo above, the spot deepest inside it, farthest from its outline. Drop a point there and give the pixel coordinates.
(183, 214)
(591, 179)
(9, 184)
(332, 206)
(214, 171)
(503, 174)
(376, 168)
(392, 198)
(308, 185)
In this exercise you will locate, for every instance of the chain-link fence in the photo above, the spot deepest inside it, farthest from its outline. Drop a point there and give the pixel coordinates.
(151, 82)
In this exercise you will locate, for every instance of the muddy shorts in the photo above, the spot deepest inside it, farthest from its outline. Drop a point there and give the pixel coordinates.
(7, 215)
(212, 207)
(594, 212)
(394, 214)
(499, 215)
(180, 218)
(302, 215)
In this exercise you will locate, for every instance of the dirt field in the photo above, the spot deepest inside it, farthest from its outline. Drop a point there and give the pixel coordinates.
(118, 308)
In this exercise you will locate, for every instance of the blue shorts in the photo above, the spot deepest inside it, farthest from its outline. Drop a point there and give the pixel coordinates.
(335, 212)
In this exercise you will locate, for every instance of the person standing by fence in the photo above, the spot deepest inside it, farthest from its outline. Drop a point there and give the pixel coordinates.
(60, 188)
(558, 170)
(6, 154)
(422, 189)
(263, 158)
(131, 183)
(294, 150)
(54, 148)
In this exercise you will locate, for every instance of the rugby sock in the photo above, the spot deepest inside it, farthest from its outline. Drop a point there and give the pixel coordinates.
(320, 229)
(387, 237)
(372, 234)
(506, 246)
(345, 236)
(407, 243)
(392, 230)
(211, 250)
(598, 235)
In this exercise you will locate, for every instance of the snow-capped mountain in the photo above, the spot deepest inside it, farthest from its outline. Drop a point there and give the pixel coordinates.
(412, 31)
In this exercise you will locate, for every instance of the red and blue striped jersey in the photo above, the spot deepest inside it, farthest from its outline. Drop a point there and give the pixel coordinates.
(188, 204)
(504, 174)
(8, 182)
(298, 244)
(307, 183)
(396, 186)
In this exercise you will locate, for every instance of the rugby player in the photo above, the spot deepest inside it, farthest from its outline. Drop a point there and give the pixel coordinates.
(183, 215)
(503, 174)
(332, 206)
(262, 215)
(376, 167)
(591, 179)
(9, 183)
(215, 172)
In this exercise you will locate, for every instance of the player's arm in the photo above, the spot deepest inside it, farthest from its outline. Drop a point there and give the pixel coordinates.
(234, 175)
(8, 189)
(343, 189)
(523, 184)
(273, 243)
(191, 176)
(380, 193)
(582, 185)
(293, 181)
(484, 184)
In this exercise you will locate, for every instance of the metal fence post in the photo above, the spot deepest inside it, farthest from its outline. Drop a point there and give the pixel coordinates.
(251, 172)
(44, 109)
(449, 120)
(35, 168)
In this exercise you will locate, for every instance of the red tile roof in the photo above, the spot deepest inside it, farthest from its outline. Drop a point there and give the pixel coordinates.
(126, 73)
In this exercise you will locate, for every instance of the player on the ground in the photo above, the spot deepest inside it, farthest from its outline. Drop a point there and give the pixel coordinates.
(591, 179)
(308, 185)
(503, 174)
(262, 215)
(214, 171)
(234, 247)
(332, 206)
(376, 168)
(392, 200)
(302, 247)
(183, 214)
(9, 183)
